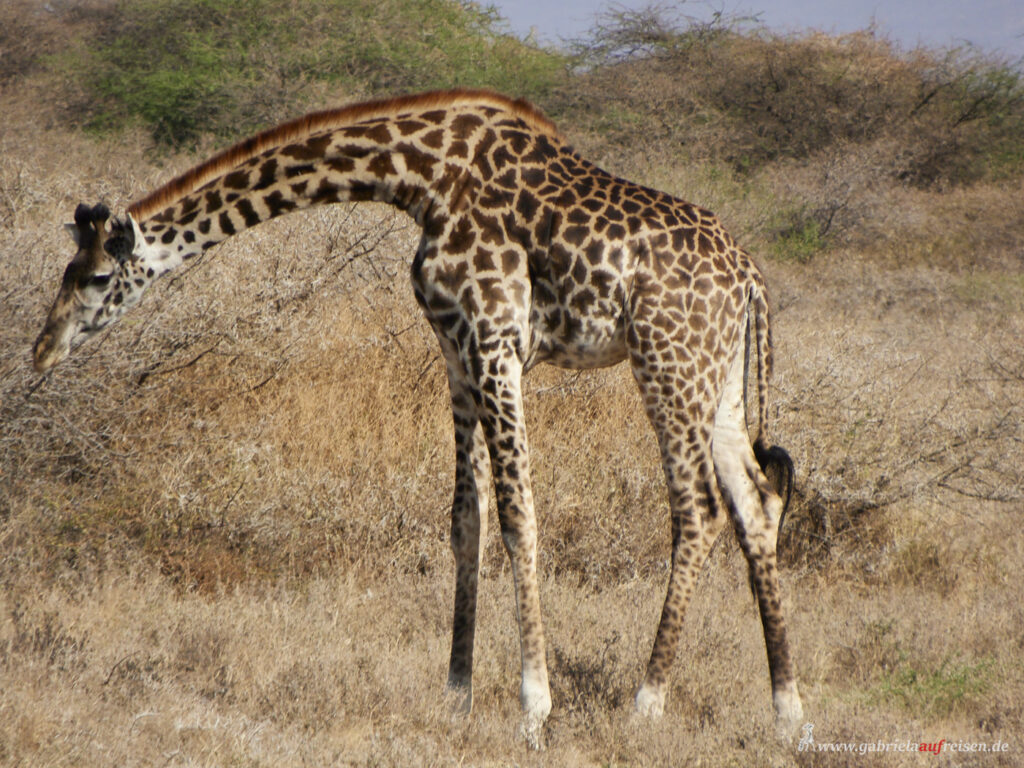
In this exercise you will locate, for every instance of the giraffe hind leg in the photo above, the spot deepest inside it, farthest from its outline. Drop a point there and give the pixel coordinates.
(756, 508)
(684, 436)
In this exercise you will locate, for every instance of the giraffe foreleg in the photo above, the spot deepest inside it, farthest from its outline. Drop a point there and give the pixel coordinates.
(468, 533)
(500, 409)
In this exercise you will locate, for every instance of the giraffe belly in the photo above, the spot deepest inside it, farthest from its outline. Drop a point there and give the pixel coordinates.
(568, 340)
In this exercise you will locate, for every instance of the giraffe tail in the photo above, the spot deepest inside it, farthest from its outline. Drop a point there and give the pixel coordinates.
(774, 461)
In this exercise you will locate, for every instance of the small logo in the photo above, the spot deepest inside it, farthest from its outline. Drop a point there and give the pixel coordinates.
(807, 739)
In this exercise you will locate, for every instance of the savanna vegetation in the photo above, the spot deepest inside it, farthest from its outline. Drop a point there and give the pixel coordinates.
(223, 523)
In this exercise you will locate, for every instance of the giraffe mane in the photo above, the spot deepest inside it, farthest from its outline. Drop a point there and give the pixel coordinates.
(313, 122)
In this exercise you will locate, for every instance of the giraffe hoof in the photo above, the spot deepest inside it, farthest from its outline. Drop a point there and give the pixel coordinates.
(460, 697)
(650, 702)
(532, 730)
(535, 699)
(789, 713)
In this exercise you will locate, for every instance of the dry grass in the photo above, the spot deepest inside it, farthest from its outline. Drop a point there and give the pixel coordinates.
(223, 524)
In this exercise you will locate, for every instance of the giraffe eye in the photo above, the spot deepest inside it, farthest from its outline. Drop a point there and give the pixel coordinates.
(99, 281)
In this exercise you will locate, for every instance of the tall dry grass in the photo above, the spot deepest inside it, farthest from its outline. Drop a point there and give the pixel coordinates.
(223, 523)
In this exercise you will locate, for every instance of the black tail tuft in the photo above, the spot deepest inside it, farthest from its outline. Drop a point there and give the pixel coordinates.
(778, 468)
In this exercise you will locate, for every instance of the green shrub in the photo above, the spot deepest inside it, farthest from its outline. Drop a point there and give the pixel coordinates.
(798, 236)
(188, 67)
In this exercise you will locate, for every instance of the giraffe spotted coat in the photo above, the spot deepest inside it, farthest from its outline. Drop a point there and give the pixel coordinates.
(529, 254)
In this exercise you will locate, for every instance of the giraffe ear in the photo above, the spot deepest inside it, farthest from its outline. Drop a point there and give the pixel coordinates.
(75, 232)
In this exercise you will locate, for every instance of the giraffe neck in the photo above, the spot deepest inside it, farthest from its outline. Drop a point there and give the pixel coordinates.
(372, 160)
(412, 152)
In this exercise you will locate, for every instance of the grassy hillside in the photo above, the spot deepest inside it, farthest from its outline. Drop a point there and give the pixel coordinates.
(223, 523)
(747, 97)
(185, 69)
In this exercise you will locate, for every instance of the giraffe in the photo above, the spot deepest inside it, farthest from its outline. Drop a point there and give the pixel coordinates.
(528, 254)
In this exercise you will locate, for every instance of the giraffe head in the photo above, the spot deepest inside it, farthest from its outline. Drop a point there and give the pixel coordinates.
(100, 283)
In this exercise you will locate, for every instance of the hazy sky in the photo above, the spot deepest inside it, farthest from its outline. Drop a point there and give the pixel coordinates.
(994, 25)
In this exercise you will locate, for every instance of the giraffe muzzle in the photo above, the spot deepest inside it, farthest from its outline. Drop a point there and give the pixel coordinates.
(50, 348)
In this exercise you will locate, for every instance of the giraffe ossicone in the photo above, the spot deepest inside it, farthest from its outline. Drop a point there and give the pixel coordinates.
(529, 254)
